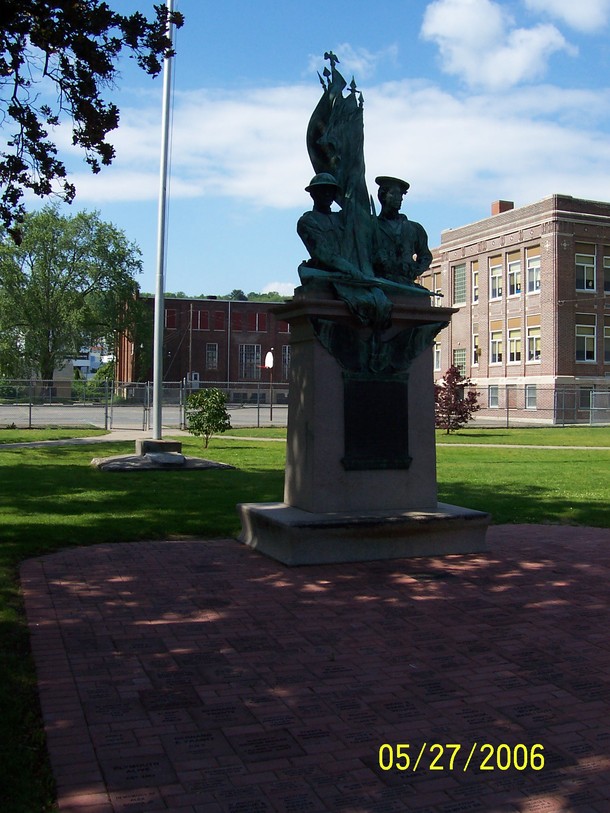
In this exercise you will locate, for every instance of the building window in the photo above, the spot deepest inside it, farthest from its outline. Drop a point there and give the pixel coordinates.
(257, 322)
(530, 396)
(584, 397)
(514, 275)
(459, 284)
(607, 341)
(283, 326)
(533, 269)
(170, 318)
(459, 359)
(607, 275)
(219, 320)
(237, 321)
(200, 320)
(475, 280)
(585, 267)
(211, 356)
(495, 278)
(533, 341)
(285, 361)
(585, 272)
(250, 362)
(493, 398)
(585, 338)
(514, 345)
(476, 350)
(495, 344)
(437, 356)
(436, 288)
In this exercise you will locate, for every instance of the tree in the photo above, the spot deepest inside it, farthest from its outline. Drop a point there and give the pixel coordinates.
(453, 407)
(56, 59)
(270, 296)
(206, 413)
(69, 284)
(236, 295)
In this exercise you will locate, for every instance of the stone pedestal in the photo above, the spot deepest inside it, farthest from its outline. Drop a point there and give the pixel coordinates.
(360, 478)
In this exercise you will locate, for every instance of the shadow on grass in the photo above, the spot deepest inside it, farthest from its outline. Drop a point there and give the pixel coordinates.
(85, 507)
(526, 504)
(462, 649)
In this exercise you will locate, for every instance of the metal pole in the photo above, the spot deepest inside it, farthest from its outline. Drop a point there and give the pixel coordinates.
(271, 394)
(161, 251)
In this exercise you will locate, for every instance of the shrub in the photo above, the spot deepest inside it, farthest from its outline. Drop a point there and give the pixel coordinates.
(206, 413)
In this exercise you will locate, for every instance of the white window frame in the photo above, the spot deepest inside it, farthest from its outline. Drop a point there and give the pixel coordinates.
(493, 396)
(495, 347)
(533, 274)
(531, 396)
(588, 272)
(250, 361)
(514, 345)
(495, 281)
(533, 344)
(476, 350)
(459, 359)
(586, 336)
(514, 278)
(437, 356)
(475, 284)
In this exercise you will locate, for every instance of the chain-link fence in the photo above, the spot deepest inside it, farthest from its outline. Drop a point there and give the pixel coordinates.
(128, 405)
(532, 405)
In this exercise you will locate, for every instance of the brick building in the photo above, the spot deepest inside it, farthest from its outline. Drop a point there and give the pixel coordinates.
(214, 342)
(533, 288)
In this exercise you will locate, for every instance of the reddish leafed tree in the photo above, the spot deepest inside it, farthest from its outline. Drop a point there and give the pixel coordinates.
(453, 405)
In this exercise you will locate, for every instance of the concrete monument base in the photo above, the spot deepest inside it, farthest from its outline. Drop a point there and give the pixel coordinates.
(360, 479)
(296, 537)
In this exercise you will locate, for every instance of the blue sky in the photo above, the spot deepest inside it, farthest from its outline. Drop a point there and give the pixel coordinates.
(471, 101)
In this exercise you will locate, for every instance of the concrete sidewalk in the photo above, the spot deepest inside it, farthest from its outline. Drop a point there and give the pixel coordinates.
(201, 677)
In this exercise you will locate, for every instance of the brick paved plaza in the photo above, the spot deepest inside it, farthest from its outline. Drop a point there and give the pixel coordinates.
(202, 677)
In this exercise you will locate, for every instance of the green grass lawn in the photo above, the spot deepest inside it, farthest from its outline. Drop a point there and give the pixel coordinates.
(51, 498)
(536, 436)
(59, 433)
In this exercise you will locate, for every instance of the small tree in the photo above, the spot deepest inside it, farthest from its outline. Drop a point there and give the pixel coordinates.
(206, 413)
(454, 407)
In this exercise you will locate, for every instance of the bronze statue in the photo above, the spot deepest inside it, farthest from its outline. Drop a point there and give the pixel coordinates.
(401, 252)
(362, 257)
(323, 231)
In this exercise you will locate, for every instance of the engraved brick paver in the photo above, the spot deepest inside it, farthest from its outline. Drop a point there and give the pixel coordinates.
(202, 677)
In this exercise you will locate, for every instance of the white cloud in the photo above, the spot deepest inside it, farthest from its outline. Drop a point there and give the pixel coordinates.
(532, 142)
(282, 288)
(358, 62)
(249, 149)
(478, 42)
(583, 15)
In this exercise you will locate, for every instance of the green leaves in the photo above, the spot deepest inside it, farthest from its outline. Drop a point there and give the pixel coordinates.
(206, 413)
(69, 283)
(74, 48)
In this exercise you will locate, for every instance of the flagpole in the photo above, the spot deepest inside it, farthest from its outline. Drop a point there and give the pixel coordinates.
(159, 320)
